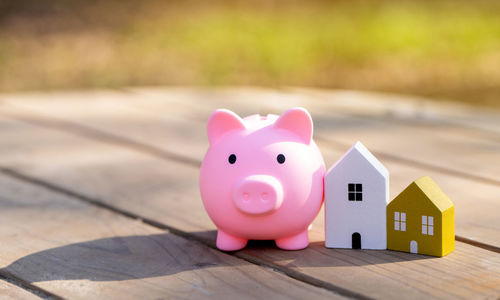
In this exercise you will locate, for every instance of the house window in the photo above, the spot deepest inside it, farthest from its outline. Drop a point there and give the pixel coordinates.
(355, 192)
(399, 221)
(427, 225)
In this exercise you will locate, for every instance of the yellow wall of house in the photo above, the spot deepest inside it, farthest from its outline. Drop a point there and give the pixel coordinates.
(448, 231)
(415, 204)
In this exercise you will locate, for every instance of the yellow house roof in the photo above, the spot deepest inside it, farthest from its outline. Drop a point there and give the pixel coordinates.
(434, 193)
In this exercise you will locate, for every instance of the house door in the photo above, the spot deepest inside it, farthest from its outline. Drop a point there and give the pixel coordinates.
(356, 240)
(413, 247)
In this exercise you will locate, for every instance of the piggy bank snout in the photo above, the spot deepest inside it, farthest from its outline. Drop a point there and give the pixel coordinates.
(258, 194)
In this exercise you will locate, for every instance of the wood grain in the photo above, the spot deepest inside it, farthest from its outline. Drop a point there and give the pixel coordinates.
(166, 191)
(80, 251)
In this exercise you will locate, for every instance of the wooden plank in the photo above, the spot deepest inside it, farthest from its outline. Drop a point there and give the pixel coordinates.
(168, 194)
(379, 124)
(472, 119)
(9, 291)
(183, 134)
(392, 275)
(80, 251)
(384, 130)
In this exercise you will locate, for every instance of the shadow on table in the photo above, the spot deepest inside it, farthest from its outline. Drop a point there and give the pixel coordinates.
(318, 256)
(117, 258)
(145, 256)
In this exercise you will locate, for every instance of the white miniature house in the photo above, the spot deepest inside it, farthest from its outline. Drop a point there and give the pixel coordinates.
(356, 197)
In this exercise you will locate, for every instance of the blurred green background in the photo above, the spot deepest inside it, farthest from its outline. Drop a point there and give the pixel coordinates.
(442, 49)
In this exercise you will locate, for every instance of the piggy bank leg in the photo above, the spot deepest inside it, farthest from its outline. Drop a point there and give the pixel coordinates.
(294, 242)
(227, 242)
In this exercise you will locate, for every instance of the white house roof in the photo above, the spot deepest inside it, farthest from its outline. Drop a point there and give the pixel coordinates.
(358, 147)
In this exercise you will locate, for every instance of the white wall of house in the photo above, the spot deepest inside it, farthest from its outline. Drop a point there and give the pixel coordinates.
(367, 217)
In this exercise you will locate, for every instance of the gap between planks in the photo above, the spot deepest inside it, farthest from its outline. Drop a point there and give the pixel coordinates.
(110, 138)
(95, 202)
(23, 284)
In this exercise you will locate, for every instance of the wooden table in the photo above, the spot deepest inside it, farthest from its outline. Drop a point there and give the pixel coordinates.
(99, 197)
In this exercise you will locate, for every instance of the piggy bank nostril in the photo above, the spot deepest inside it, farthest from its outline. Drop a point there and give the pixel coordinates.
(264, 196)
(246, 197)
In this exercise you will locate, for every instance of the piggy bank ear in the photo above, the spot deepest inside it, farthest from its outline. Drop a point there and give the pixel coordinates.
(298, 121)
(221, 122)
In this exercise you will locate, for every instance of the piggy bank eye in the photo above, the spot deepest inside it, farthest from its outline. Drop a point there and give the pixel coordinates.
(280, 158)
(232, 159)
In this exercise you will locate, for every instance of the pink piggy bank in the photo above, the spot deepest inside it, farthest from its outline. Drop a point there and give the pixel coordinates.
(262, 178)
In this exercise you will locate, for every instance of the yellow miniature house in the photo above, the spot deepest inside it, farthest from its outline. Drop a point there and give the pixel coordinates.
(421, 220)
